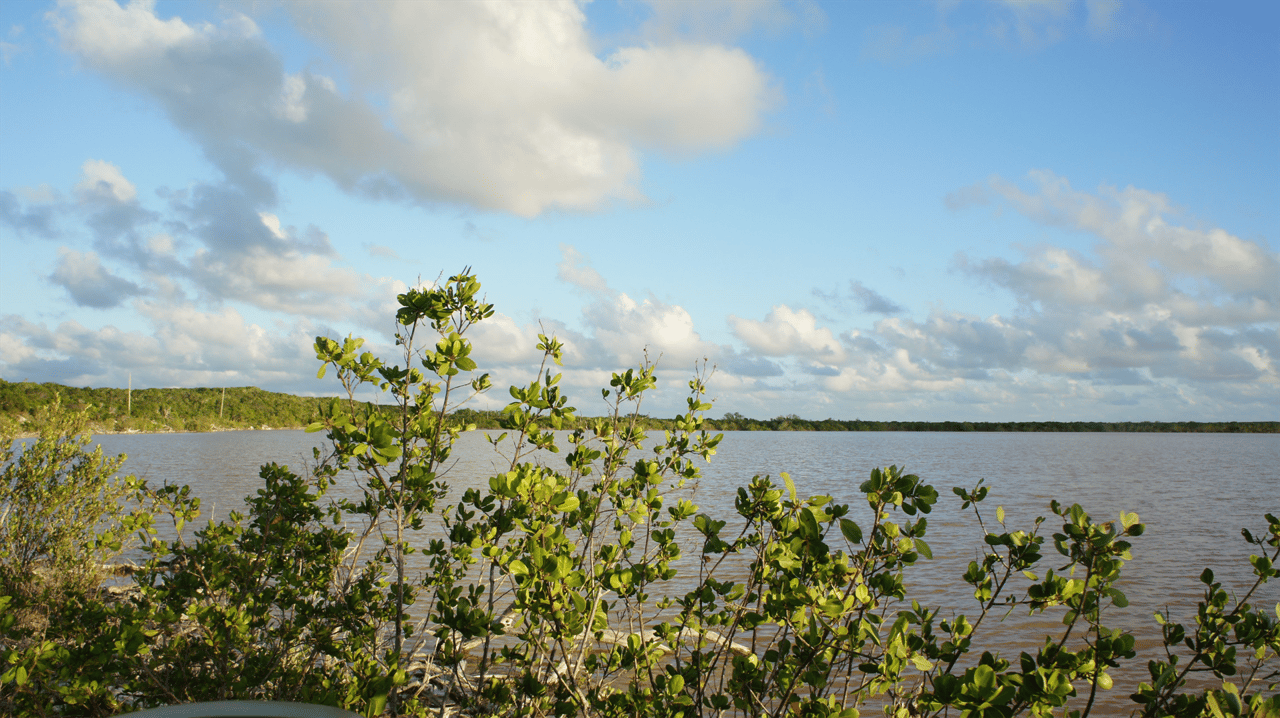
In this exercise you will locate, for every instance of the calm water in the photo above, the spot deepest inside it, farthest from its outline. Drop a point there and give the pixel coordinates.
(1194, 492)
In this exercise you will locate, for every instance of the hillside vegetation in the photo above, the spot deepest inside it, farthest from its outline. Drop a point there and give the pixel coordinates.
(113, 410)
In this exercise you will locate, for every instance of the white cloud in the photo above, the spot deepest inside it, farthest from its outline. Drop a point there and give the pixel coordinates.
(101, 179)
(619, 330)
(625, 329)
(788, 332)
(1136, 234)
(290, 281)
(575, 269)
(187, 347)
(1180, 302)
(501, 105)
(499, 342)
(88, 282)
(1161, 315)
(213, 241)
(117, 35)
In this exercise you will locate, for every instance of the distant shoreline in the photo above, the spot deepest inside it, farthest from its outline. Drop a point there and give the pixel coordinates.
(203, 410)
(98, 431)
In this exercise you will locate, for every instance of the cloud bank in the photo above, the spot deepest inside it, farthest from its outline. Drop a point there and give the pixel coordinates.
(502, 106)
(1188, 314)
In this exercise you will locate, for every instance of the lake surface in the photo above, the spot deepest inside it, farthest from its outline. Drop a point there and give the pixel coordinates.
(1193, 491)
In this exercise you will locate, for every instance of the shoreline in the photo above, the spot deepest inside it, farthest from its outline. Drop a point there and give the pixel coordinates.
(97, 431)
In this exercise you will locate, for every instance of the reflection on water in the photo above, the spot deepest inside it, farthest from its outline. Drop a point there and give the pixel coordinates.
(1194, 492)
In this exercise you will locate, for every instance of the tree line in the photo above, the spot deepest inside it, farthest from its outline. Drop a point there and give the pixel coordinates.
(190, 409)
(211, 409)
(738, 422)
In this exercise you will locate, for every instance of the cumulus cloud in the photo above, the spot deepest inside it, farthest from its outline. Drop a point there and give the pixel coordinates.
(503, 106)
(576, 269)
(1141, 246)
(1162, 312)
(789, 332)
(625, 329)
(1156, 297)
(210, 246)
(745, 364)
(103, 180)
(35, 219)
(618, 330)
(88, 283)
(507, 106)
(186, 347)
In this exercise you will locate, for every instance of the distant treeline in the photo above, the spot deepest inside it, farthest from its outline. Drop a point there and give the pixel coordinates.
(113, 410)
(250, 407)
(738, 422)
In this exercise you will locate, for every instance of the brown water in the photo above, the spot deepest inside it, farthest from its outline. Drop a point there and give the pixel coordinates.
(1193, 491)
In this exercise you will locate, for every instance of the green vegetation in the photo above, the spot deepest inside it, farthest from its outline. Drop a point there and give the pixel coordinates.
(595, 588)
(738, 422)
(119, 410)
(206, 409)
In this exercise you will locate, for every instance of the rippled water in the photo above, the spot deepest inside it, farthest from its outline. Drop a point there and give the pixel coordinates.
(1194, 492)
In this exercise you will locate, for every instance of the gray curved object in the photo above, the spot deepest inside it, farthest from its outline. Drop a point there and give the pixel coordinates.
(245, 709)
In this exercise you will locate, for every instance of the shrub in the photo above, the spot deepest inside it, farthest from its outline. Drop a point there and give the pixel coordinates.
(545, 593)
(64, 513)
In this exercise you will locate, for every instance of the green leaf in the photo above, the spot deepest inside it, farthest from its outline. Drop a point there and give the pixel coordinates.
(1118, 598)
(791, 486)
(1214, 707)
(851, 531)
(923, 549)
(1000, 514)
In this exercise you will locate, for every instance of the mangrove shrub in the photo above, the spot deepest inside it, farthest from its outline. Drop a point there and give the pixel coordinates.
(592, 584)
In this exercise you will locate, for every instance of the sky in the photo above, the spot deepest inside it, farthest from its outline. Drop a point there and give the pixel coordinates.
(970, 210)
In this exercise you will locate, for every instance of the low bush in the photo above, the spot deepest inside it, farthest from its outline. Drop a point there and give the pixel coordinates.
(547, 592)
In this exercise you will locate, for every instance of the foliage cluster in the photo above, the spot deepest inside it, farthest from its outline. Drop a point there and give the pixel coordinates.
(595, 587)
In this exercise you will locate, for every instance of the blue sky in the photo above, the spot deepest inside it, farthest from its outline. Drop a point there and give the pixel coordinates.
(953, 210)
